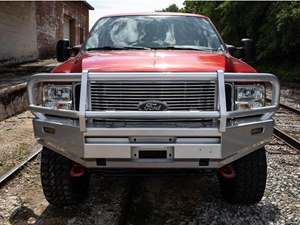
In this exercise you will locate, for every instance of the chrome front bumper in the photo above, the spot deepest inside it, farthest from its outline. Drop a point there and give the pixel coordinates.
(72, 134)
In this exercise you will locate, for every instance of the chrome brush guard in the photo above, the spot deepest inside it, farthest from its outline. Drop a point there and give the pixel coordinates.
(189, 144)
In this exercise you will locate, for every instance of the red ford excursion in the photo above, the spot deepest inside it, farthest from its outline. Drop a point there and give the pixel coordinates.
(153, 93)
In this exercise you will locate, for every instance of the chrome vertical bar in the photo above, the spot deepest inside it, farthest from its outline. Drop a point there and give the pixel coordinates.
(31, 92)
(83, 100)
(275, 91)
(222, 100)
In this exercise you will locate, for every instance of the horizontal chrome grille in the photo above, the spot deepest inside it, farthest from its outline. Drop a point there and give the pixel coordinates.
(178, 95)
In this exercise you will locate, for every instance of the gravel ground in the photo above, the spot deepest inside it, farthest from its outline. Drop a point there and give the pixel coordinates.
(288, 95)
(288, 122)
(22, 202)
(195, 201)
(17, 140)
(159, 200)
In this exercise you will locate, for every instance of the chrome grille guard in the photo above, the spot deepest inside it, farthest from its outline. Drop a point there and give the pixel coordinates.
(133, 95)
(220, 77)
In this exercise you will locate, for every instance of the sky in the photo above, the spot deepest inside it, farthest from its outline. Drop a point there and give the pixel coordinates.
(106, 7)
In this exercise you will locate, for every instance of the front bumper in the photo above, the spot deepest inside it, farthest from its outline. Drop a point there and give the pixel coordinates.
(189, 148)
(72, 133)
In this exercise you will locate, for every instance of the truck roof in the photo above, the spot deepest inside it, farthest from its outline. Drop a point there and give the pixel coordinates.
(155, 14)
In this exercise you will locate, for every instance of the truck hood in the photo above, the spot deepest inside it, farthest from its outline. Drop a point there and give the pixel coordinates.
(152, 61)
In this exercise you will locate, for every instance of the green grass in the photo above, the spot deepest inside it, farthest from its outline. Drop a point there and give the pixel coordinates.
(22, 149)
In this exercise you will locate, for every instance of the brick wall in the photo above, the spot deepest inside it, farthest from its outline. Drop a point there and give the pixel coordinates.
(50, 18)
(30, 30)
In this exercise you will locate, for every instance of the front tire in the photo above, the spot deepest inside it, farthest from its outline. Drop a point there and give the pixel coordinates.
(248, 184)
(60, 188)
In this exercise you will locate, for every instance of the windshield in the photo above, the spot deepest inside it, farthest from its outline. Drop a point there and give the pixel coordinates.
(153, 32)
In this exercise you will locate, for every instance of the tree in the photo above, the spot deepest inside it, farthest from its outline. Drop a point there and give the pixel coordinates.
(171, 8)
(274, 26)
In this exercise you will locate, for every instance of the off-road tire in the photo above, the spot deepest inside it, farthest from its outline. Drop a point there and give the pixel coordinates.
(60, 189)
(248, 186)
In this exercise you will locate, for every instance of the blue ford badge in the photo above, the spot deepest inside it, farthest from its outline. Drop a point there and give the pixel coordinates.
(152, 105)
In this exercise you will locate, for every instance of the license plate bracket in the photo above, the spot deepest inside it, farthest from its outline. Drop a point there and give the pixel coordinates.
(152, 153)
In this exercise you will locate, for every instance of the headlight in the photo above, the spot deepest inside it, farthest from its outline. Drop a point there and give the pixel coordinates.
(249, 96)
(58, 96)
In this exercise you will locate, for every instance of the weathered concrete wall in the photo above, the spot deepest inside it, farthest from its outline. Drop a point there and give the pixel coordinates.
(18, 41)
(13, 100)
(13, 93)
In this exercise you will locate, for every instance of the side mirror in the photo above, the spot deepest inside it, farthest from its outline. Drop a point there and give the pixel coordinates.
(231, 49)
(248, 48)
(75, 49)
(63, 50)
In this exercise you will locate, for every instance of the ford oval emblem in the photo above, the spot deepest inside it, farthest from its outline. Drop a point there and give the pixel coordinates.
(153, 105)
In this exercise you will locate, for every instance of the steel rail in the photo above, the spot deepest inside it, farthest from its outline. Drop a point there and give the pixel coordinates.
(287, 107)
(289, 140)
(9, 174)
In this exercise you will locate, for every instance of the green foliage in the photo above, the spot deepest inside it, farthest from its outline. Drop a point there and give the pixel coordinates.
(285, 72)
(274, 26)
(171, 8)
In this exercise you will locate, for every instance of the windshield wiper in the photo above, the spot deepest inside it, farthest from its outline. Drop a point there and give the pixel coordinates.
(184, 47)
(176, 47)
(118, 48)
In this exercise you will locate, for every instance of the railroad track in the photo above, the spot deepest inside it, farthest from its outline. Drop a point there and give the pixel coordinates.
(279, 133)
(288, 139)
(282, 105)
(10, 174)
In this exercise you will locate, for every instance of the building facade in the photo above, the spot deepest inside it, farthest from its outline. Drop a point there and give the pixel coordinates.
(30, 30)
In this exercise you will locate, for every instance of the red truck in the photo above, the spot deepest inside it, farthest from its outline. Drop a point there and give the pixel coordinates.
(151, 93)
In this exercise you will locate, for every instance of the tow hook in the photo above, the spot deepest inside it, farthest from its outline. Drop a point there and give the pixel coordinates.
(77, 170)
(227, 172)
